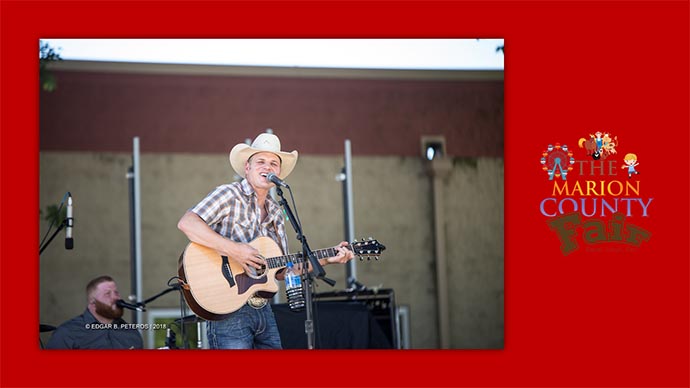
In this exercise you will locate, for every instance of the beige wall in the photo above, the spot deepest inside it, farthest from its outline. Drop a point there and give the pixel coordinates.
(392, 199)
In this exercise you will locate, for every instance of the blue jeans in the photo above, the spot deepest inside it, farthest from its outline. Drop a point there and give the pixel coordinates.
(246, 328)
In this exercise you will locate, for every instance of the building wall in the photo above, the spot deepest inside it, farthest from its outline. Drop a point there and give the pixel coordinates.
(381, 112)
(392, 196)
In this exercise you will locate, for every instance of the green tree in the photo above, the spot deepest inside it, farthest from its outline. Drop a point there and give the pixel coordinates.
(46, 55)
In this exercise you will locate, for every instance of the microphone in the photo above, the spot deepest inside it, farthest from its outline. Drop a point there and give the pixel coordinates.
(274, 178)
(69, 222)
(137, 307)
(170, 339)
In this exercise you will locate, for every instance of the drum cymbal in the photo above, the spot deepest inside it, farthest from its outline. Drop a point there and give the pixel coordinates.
(188, 319)
(45, 328)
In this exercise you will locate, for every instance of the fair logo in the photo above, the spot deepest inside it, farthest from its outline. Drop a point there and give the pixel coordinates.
(595, 195)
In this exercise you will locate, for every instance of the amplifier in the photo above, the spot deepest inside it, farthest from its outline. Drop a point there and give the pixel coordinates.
(381, 304)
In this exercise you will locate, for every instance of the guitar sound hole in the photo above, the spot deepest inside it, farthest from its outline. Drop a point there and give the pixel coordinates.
(257, 273)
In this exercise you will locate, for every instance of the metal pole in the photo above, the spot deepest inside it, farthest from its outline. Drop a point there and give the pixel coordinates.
(137, 224)
(440, 168)
(132, 237)
(351, 268)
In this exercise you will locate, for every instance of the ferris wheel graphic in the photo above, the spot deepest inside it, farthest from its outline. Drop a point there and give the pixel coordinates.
(557, 161)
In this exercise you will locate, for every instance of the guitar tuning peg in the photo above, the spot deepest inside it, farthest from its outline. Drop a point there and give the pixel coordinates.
(360, 258)
(368, 258)
(370, 238)
(355, 241)
(376, 258)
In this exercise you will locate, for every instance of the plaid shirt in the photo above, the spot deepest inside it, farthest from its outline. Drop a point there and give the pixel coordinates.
(232, 211)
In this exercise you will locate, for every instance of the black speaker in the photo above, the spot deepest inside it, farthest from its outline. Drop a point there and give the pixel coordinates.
(343, 320)
(379, 302)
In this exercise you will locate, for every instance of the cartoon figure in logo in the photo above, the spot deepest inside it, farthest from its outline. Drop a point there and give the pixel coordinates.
(590, 147)
(598, 140)
(630, 161)
(600, 145)
(609, 145)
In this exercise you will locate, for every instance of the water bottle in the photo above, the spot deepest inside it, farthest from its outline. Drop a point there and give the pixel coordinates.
(293, 288)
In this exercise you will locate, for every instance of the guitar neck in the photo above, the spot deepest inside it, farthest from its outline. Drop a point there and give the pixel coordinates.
(298, 258)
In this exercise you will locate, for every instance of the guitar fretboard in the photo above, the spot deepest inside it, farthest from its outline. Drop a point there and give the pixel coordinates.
(298, 258)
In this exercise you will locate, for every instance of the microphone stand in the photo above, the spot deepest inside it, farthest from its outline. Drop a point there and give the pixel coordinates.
(62, 226)
(174, 287)
(317, 269)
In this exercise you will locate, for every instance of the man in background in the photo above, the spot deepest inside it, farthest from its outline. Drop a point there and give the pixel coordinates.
(101, 325)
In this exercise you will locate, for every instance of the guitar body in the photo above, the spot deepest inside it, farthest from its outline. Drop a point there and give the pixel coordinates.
(216, 286)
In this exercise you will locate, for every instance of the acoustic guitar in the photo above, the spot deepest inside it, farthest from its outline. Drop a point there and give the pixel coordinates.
(215, 285)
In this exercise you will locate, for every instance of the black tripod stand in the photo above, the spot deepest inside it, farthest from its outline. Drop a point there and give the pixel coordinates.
(318, 272)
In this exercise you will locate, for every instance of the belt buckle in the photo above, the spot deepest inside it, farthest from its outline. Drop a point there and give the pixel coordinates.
(257, 302)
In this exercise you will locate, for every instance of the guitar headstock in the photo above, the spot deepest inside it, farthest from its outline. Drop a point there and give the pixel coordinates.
(367, 248)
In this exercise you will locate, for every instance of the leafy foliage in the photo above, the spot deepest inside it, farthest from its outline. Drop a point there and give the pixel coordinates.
(46, 55)
(53, 216)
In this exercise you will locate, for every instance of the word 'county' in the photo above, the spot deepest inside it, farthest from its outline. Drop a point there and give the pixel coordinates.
(589, 207)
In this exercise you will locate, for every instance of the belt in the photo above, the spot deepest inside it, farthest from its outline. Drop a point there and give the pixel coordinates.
(257, 302)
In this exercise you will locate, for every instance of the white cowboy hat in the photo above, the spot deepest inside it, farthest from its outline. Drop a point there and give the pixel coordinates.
(265, 142)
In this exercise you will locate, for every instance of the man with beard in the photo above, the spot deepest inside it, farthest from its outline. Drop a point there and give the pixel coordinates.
(101, 325)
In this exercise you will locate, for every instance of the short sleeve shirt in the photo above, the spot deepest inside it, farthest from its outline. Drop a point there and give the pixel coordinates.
(86, 332)
(232, 210)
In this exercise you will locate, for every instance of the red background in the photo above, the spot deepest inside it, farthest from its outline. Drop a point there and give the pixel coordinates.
(604, 319)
